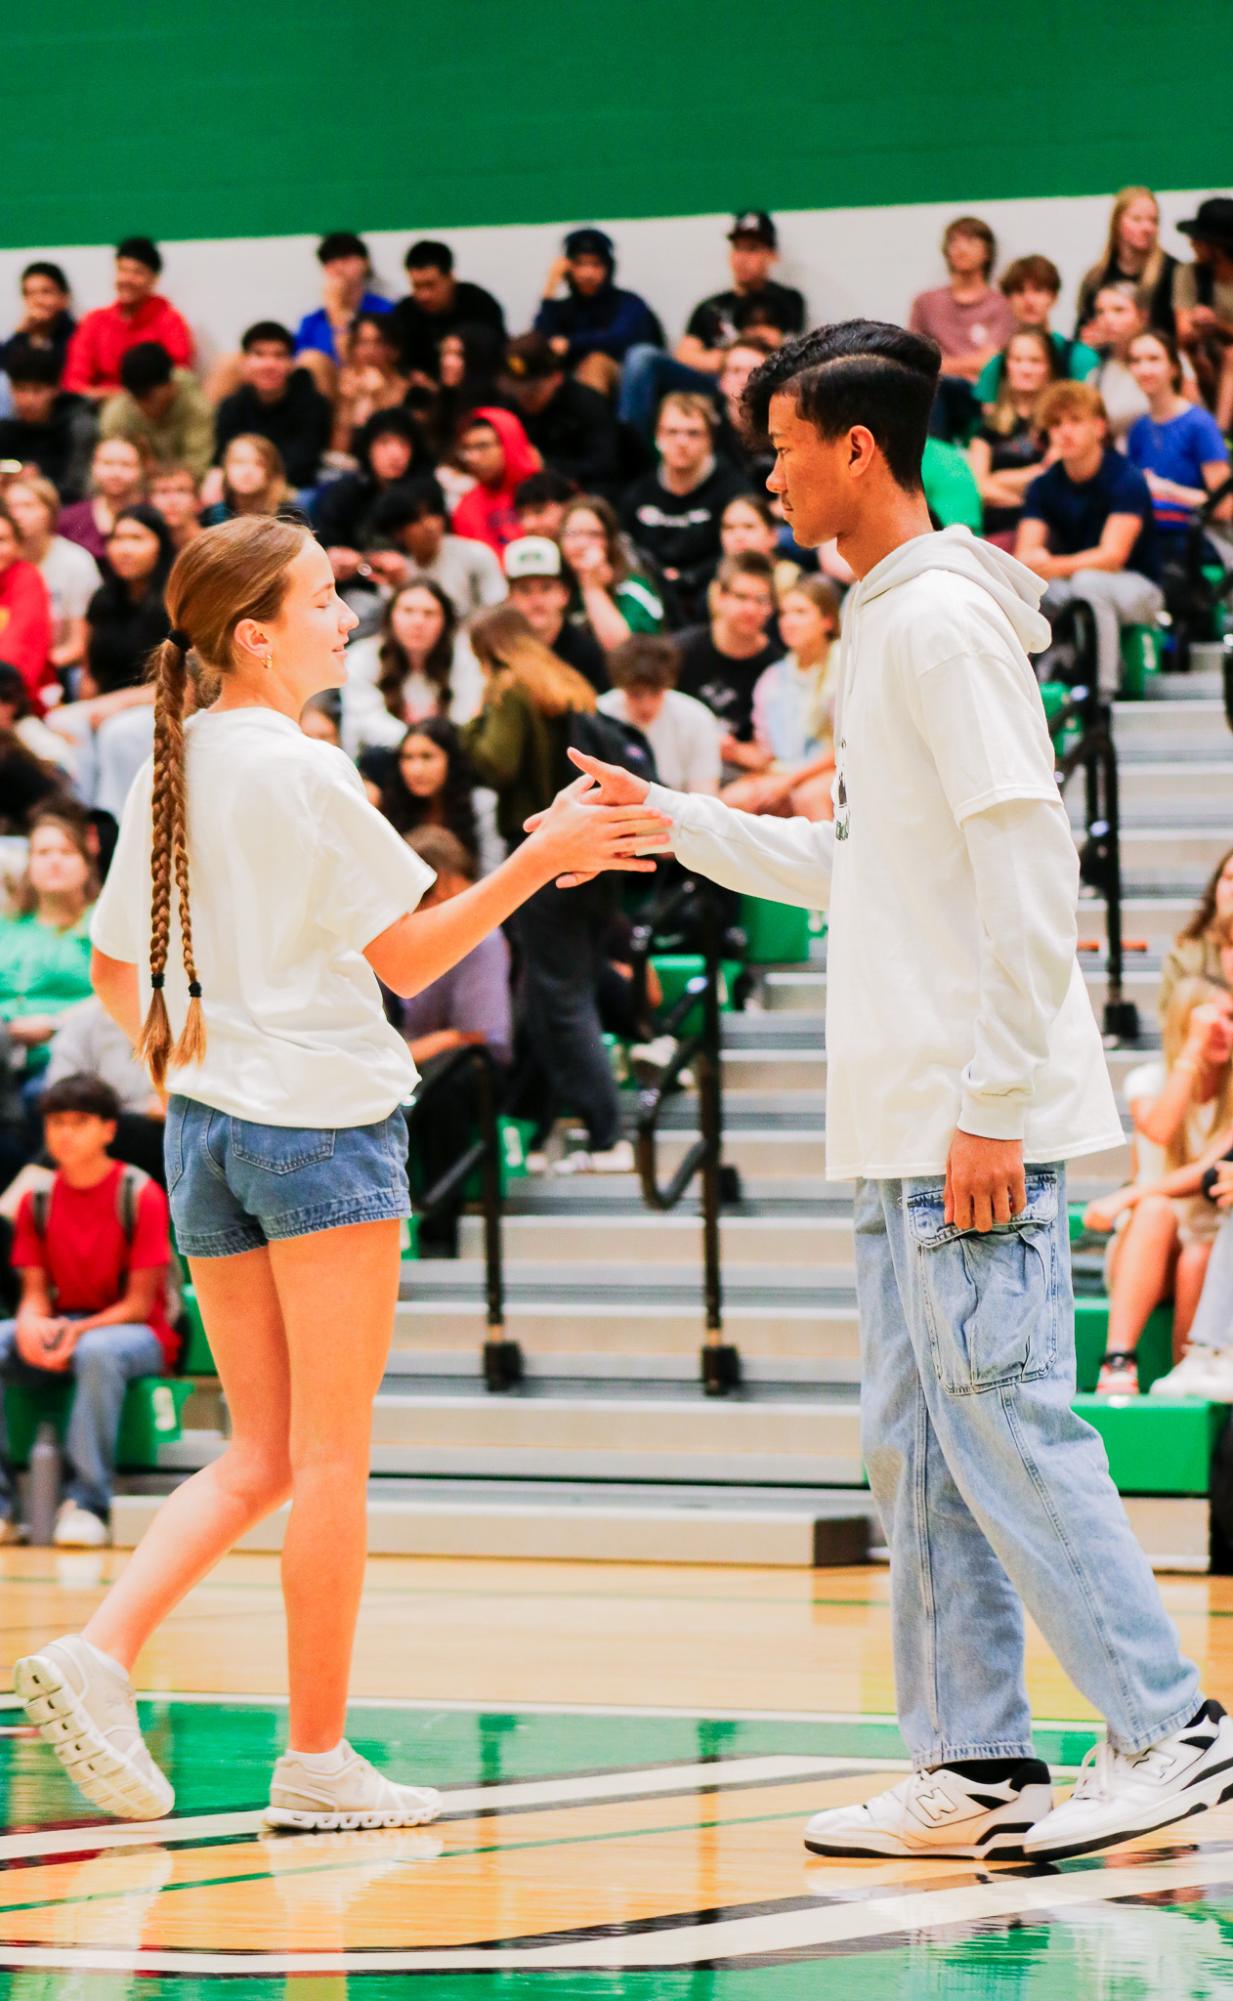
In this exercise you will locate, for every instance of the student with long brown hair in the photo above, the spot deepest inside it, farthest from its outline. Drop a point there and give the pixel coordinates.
(278, 898)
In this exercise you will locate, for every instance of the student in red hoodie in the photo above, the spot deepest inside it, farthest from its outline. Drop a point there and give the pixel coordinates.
(26, 631)
(138, 313)
(497, 453)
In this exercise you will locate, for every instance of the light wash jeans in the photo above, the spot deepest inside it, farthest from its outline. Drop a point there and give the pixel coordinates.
(647, 374)
(104, 1363)
(993, 1493)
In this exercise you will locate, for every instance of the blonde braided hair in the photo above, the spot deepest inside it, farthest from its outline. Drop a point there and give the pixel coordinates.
(235, 571)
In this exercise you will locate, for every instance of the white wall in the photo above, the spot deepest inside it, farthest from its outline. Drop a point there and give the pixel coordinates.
(867, 261)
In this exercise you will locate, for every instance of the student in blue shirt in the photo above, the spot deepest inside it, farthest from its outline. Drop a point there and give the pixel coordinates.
(346, 268)
(1088, 526)
(1177, 446)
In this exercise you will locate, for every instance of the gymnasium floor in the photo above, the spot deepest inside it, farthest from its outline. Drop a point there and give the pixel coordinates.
(628, 1755)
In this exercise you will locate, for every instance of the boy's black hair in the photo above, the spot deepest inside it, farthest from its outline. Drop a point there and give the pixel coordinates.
(341, 243)
(145, 367)
(82, 1092)
(268, 330)
(142, 250)
(42, 268)
(429, 256)
(409, 502)
(864, 372)
(24, 362)
(540, 489)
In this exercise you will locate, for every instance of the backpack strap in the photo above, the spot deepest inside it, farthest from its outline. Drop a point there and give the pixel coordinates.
(128, 1195)
(40, 1209)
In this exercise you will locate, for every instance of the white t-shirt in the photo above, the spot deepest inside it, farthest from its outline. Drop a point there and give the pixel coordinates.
(366, 722)
(72, 576)
(1146, 1082)
(292, 873)
(684, 738)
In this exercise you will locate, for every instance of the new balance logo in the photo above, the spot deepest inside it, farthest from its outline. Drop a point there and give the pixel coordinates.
(935, 1806)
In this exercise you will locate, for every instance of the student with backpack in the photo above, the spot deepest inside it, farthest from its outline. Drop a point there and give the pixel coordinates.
(93, 1252)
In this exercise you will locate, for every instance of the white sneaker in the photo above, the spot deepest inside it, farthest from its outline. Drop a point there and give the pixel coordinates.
(356, 1795)
(83, 1707)
(939, 1813)
(79, 1528)
(1120, 1798)
(1202, 1372)
(618, 1159)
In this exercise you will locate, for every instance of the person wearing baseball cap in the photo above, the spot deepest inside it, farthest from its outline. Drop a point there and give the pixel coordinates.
(538, 588)
(1203, 302)
(570, 423)
(594, 324)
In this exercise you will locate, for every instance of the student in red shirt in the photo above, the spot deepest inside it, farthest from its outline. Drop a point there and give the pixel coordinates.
(93, 1298)
(26, 630)
(138, 314)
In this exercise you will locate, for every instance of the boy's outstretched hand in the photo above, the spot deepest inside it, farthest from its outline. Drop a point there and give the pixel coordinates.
(601, 785)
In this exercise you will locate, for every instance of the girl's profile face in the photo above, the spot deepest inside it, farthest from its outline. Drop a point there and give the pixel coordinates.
(308, 639)
(423, 765)
(417, 621)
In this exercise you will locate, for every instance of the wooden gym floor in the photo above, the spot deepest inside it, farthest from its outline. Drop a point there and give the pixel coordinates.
(628, 1755)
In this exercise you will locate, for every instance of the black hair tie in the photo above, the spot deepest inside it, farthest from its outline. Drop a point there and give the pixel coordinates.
(158, 981)
(194, 989)
(179, 639)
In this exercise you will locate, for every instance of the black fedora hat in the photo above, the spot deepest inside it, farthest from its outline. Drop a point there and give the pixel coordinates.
(1214, 222)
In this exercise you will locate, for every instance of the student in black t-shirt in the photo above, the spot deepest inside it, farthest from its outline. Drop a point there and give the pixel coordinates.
(49, 427)
(721, 661)
(1089, 525)
(46, 318)
(539, 590)
(276, 400)
(570, 425)
(437, 305)
(1006, 453)
(673, 514)
(699, 355)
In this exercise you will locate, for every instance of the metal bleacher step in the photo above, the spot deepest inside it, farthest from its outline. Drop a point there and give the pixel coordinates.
(1160, 793)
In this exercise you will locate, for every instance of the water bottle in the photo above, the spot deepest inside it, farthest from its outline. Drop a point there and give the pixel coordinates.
(43, 1485)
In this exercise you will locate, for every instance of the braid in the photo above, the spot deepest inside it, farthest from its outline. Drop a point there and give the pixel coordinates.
(191, 1046)
(168, 856)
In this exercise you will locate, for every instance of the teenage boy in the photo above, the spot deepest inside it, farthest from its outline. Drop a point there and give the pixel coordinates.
(674, 512)
(438, 303)
(345, 271)
(682, 732)
(278, 401)
(160, 409)
(46, 314)
(92, 1253)
(1089, 526)
(537, 588)
(965, 1068)
(721, 660)
(48, 427)
(413, 517)
(593, 324)
(969, 320)
(138, 313)
(570, 424)
(1031, 287)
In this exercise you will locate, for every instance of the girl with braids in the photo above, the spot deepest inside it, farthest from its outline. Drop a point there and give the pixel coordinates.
(278, 897)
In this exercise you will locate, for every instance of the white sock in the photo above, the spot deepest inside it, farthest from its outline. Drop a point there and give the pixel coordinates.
(108, 1661)
(321, 1762)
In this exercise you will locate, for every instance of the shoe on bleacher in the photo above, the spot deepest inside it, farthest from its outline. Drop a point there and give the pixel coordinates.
(79, 1528)
(352, 1794)
(10, 1531)
(1202, 1372)
(1119, 1375)
(618, 1159)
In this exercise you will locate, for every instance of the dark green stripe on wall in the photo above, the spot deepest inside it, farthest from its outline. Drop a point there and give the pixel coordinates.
(200, 118)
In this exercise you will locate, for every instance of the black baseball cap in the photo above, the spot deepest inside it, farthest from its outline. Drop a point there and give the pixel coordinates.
(755, 222)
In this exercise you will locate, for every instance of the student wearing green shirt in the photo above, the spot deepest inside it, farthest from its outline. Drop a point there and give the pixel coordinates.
(1031, 286)
(608, 595)
(45, 945)
(162, 410)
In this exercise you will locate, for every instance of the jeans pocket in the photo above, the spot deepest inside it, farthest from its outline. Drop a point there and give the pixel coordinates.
(991, 1298)
(281, 1149)
(173, 1143)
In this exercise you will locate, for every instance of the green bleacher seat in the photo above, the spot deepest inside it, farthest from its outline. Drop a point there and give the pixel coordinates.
(196, 1359)
(778, 933)
(1091, 1332)
(1141, 650)
(151, 1417)
(1156, 1445)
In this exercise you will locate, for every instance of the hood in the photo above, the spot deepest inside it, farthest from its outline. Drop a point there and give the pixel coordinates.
(1015, 588)
(521, 457)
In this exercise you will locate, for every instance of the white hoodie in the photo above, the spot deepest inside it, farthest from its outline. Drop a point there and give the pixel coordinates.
(954, 997)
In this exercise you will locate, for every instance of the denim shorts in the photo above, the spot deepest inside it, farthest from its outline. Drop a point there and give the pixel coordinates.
(234, 1185)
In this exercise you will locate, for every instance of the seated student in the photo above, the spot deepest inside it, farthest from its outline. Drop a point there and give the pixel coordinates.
(49, 431)
(594, 325)
(742, 355)
(45, 943)
(69, 572)
(570, 425)
(26, 629)
(137, 314)
(794, 710)
(413, 519)
(748, 522)
(175, 493)
(609, 597)
(438, 304)
(47, 321)
(425, 780)
(970, 321)
(1088, 526)
(722, 660)
(254, 480)
(416, 665)
(468, 363)
(1007, 452)
(1032, 286)
(88, 1040)
(650, 374)
(1198, 950)
(1203, 301)
(161, 409)
(539, 589)
(673, 513)
(369, 380)
(35, 764)
(682, 732)
(1132, 257)
(1119, 319)
(93, 1257)
(1177, 446)
(117, 480)
(345, 271)
(387, 449)
(278, 401)
(495, 450)
(1182, 1109)
(540, 503)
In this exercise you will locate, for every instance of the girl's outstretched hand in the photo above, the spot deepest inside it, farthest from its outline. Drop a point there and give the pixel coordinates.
(583, 833)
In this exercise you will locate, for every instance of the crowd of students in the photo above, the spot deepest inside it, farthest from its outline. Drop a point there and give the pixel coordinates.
(542, 532)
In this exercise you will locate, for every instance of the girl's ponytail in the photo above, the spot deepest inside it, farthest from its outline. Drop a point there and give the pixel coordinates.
(168, 857)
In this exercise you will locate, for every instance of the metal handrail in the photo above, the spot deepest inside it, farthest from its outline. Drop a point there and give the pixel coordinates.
(1095, 753)
(701, 1051)
(502, 1357)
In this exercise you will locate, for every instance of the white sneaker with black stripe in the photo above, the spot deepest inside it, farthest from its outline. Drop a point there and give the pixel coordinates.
(941, 1813)
(350, 1794)
(1120, 1797)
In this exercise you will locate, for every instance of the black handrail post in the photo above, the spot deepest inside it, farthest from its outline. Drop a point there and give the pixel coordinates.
(721, 1362)
(502, 1357)
(1121, 1016)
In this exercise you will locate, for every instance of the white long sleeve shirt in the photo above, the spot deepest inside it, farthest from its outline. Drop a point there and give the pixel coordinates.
(954, 998)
